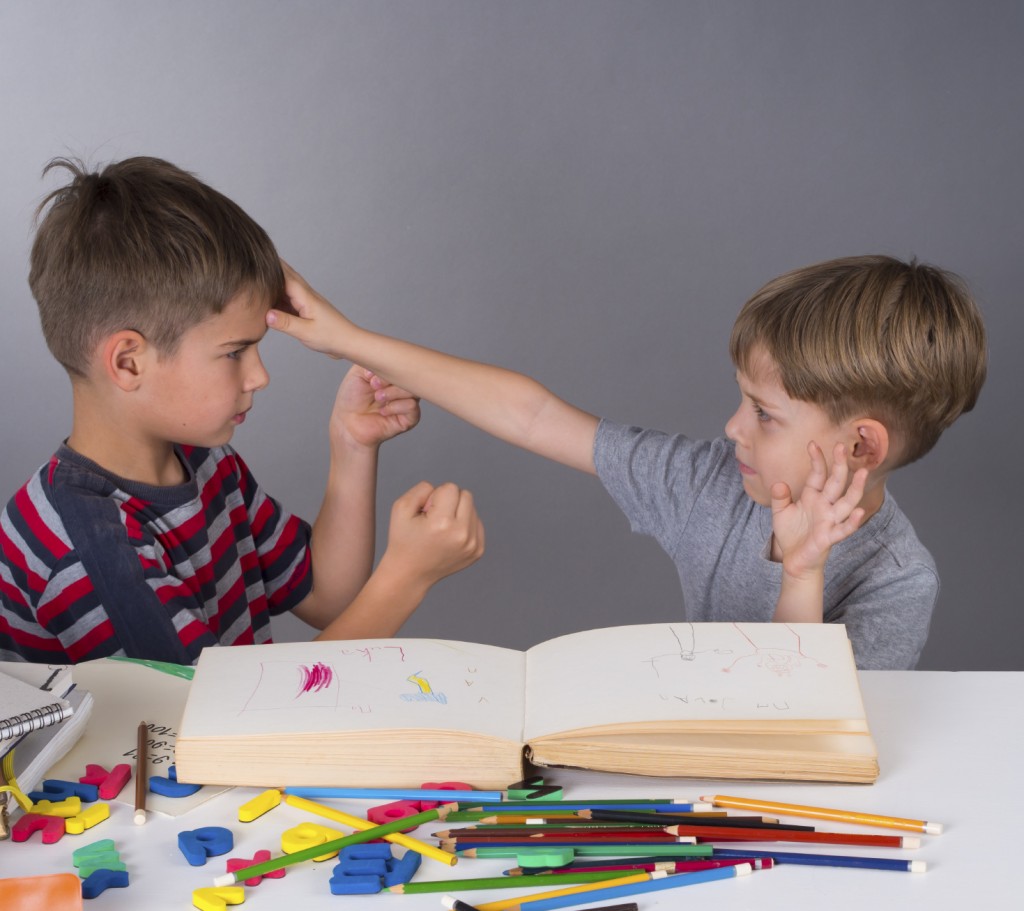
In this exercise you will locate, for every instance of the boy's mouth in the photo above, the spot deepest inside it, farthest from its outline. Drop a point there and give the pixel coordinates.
(745, 468)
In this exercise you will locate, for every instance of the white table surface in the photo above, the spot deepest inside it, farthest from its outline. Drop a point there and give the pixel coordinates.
(949, 746)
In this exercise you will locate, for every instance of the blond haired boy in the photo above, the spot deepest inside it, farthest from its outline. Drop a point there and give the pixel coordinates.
(146, 535)
(847, 370)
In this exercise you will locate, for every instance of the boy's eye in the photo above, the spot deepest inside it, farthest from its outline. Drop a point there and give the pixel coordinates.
(236, 354)
(761, 414)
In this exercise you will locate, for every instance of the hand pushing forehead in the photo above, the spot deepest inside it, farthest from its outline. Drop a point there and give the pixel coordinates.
(141, 245)
(903, 343)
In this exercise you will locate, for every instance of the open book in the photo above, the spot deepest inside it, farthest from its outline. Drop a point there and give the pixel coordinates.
(708, 700)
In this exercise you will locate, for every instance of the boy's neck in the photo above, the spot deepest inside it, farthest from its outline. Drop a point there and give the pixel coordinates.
(157, 469)
(117, 446)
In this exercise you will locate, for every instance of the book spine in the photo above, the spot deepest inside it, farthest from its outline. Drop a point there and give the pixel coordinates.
(19, 725)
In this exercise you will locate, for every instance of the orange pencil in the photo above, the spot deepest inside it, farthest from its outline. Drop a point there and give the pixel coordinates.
(793, 809)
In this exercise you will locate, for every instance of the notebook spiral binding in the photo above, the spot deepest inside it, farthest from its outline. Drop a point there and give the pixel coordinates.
(22, 724)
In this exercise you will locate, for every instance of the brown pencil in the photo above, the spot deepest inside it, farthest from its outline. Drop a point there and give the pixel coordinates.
(141, 773)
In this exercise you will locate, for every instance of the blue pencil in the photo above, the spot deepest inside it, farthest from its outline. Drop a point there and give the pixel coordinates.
(830, 860)
(397, 794)
(656, 883)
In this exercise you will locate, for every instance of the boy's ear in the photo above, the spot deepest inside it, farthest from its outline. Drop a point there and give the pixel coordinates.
(123, 357)
(871, 443)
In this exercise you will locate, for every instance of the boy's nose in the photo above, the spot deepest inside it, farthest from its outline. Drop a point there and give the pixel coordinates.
(258, 376)
(732, 426)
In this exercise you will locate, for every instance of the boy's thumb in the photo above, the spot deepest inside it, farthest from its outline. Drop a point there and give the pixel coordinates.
(283, 322)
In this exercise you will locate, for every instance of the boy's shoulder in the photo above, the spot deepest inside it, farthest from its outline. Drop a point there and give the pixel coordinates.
(69, 492)
(896, 536)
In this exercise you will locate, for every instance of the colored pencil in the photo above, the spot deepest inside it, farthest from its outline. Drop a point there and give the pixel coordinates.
(832, 860)
(666, 850)
(367, 832)
(669, 866)
(668, 819)
(398, 794)
(708, 833)
(547, 831)
(497, 816)
(578, 893)
(657, 806)
(564, 841)
(657, 882)
(513, 816)
(559, 825)
(421, 887)
(394, 835)
(141, 773)
(854, 816)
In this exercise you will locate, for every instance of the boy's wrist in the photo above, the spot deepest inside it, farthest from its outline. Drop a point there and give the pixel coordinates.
(395, 574)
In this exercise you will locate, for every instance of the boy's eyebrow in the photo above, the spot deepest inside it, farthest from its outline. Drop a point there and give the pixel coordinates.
(242, 342)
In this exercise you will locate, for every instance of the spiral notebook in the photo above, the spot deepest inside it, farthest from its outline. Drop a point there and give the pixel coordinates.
(25, 708)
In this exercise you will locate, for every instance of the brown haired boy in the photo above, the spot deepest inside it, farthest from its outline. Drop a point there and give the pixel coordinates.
(145, 534)
(847, 369)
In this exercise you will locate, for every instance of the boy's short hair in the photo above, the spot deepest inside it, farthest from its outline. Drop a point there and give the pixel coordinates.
(143, 245)
(903, 343)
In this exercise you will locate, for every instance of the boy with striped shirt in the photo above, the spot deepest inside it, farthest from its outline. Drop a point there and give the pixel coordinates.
(145, 534)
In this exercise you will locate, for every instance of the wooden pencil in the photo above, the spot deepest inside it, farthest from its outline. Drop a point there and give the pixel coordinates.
(141, 773)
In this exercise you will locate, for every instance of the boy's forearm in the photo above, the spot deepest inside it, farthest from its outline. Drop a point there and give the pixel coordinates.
(343, 536)
(385, 603)
(508, 405)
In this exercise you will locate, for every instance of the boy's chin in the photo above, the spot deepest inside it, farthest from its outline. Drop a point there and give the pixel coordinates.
(752, 490)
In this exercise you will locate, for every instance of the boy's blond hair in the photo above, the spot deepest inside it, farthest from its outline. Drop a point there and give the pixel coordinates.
(903, 343)
(141, 245)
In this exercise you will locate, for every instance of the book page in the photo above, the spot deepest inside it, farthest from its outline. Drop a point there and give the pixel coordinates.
(706, 672)
(369, 684)
(126, 694)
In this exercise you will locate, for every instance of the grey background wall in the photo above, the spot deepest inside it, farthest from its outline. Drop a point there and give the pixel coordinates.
(585, 191)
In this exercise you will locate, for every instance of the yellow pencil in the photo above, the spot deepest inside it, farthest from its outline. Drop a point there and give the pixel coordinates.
(504, 903)
(413, 844)
(792, 809)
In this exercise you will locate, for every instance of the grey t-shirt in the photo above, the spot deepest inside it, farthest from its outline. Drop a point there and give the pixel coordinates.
(688, 495)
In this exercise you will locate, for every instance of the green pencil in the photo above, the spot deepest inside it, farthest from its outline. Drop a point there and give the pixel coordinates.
(328, 847)
(668, 849)
(506, 882)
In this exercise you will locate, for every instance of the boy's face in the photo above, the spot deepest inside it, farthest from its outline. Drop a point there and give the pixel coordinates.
(771, 432)
(201, 393)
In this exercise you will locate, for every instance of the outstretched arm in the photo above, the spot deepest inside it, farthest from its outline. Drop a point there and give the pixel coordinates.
(805, 530)
(508, 405)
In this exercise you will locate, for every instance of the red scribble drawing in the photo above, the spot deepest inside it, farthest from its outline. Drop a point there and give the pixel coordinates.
(369, 652)
(315, 678)
(781, 659)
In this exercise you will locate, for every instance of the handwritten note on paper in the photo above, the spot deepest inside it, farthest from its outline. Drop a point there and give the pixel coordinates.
(701, 673)
(125, 695)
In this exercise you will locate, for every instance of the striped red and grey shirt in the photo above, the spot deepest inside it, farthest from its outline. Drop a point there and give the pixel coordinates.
(93, 565)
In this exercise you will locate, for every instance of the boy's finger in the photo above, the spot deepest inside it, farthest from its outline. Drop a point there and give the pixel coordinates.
(414, 500)
(444, 499)
(782, 496)
(817, 476)
(465, 506)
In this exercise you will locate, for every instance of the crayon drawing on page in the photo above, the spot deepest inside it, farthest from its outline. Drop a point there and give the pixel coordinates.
(353, 682)
(753, 654)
